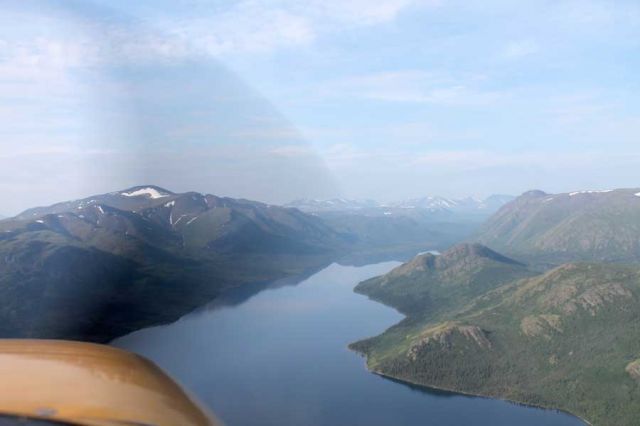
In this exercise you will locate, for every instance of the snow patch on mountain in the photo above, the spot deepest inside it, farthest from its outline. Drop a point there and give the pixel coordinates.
(573, 194)
(431, 204)
(148, 192)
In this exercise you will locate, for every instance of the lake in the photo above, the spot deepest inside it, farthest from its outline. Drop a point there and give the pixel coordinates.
(279, 357)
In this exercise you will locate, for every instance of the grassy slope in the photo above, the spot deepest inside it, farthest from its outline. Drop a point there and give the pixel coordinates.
(566, 339)
(429, 284)
(55, 286)
(562, 228)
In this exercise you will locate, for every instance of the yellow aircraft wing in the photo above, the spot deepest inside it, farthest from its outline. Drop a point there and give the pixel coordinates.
(90, 384)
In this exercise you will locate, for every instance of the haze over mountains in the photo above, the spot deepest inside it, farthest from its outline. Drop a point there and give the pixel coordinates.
(432, 204)
(101, 266)
(539, 305)
(558, 327)
(403, 228)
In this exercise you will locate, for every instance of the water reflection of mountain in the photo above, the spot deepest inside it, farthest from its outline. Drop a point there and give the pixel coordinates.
(238, 295)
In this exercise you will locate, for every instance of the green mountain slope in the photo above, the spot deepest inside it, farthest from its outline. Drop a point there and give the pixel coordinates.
(567, 339)
(100, 267)
(578, 226)
(105, 265)
(429, 284)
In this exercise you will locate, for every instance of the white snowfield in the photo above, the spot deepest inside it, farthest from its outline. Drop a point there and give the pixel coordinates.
(637, 194)
(148, 192)
(590, 192)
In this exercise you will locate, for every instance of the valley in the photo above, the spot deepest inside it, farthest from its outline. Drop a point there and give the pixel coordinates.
(533, 301)
(329, 212)
(103, 266)
(278, 357)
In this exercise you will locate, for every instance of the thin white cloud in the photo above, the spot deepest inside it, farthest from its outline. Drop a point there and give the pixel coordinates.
(412, 86)
(379, 172)
(244, 27)
(357, 12)
(347, 155)
(247, 28)
(59, 114)
(284, 133)
(464, 160)
(520, 48)
(578, 109)
(262, 26)
(293, 151)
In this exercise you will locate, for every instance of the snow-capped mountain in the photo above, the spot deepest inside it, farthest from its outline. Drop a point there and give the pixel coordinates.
(171, 220)
(143, 256)
(428, 204)
(456, 205)
(154, 255)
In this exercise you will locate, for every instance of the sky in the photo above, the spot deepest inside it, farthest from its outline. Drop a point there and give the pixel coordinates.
(275, 100)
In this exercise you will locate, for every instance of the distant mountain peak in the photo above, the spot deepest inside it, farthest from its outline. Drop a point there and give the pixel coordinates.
(429, 204)
(534, 193)
(474, 250)
(459, 256)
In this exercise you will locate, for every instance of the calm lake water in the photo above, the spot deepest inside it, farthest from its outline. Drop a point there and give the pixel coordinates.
(280, 357)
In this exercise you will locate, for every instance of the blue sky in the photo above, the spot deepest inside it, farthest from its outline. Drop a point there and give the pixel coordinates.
(275, 100)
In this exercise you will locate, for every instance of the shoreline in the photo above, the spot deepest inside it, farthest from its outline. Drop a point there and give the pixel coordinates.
(462, 393)
(443, 389)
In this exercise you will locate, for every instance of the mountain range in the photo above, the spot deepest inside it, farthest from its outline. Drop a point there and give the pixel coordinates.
(378, 230)
(554, 228)
(190, 221)
(539, 305)
(552, 321)
(100, 267)
(428, 204)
